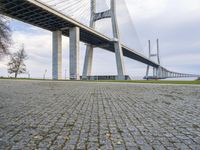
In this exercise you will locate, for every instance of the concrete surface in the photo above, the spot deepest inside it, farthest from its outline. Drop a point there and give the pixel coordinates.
(57, 55)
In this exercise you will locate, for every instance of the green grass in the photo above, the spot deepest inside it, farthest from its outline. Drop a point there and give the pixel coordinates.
(37, 79)
(153, 81)
(11, 78)
(124, 81)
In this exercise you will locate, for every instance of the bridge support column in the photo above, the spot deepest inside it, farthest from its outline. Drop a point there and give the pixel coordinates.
(168, 75)
(74, 35)
(117, 42)
(158, 72)
(154, 72)
(119, 61)
(147, 72)
(161, 73)
(165, 74)
(57, 55)
(87, 68)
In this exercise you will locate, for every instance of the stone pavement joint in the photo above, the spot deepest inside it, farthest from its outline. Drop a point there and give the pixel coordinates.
(97, 116)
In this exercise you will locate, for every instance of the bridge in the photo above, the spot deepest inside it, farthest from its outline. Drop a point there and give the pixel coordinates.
(42, 15)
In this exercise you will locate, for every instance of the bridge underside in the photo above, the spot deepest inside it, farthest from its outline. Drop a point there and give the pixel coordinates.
(161, 73)
(40, 15)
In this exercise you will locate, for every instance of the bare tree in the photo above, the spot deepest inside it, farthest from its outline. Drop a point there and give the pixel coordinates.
(16, 64)
(5, 36)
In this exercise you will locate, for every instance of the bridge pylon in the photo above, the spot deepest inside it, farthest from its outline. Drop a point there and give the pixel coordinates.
(87, 68)
(111, 13)
(157, 72)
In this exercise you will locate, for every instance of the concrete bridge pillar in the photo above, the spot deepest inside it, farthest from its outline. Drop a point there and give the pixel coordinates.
(57, 55)
(117, 42)
(87, 68)
(159, 72)
(154, 72)
(74, 38)
(162, 73)
(165, 74)
(119, 61)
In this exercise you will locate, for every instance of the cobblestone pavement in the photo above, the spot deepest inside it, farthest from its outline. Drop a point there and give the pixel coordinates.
(98, 116)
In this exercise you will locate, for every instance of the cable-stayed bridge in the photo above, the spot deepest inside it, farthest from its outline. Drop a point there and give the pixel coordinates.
(50, 15)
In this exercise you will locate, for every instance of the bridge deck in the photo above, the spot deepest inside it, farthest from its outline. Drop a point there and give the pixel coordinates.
(38, 14)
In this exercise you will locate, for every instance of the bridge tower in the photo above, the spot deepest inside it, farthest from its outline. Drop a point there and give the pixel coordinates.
(95, 16)
(156, 71)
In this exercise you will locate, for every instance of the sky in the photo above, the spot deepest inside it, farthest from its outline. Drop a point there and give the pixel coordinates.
(175, 22)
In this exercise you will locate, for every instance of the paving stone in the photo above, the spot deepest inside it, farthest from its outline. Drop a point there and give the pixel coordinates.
(84, 115)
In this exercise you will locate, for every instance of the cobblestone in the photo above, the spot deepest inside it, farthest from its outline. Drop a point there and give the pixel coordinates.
(97, 116)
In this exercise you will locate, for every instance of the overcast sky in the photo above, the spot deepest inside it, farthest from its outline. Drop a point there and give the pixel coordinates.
(175, 22)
